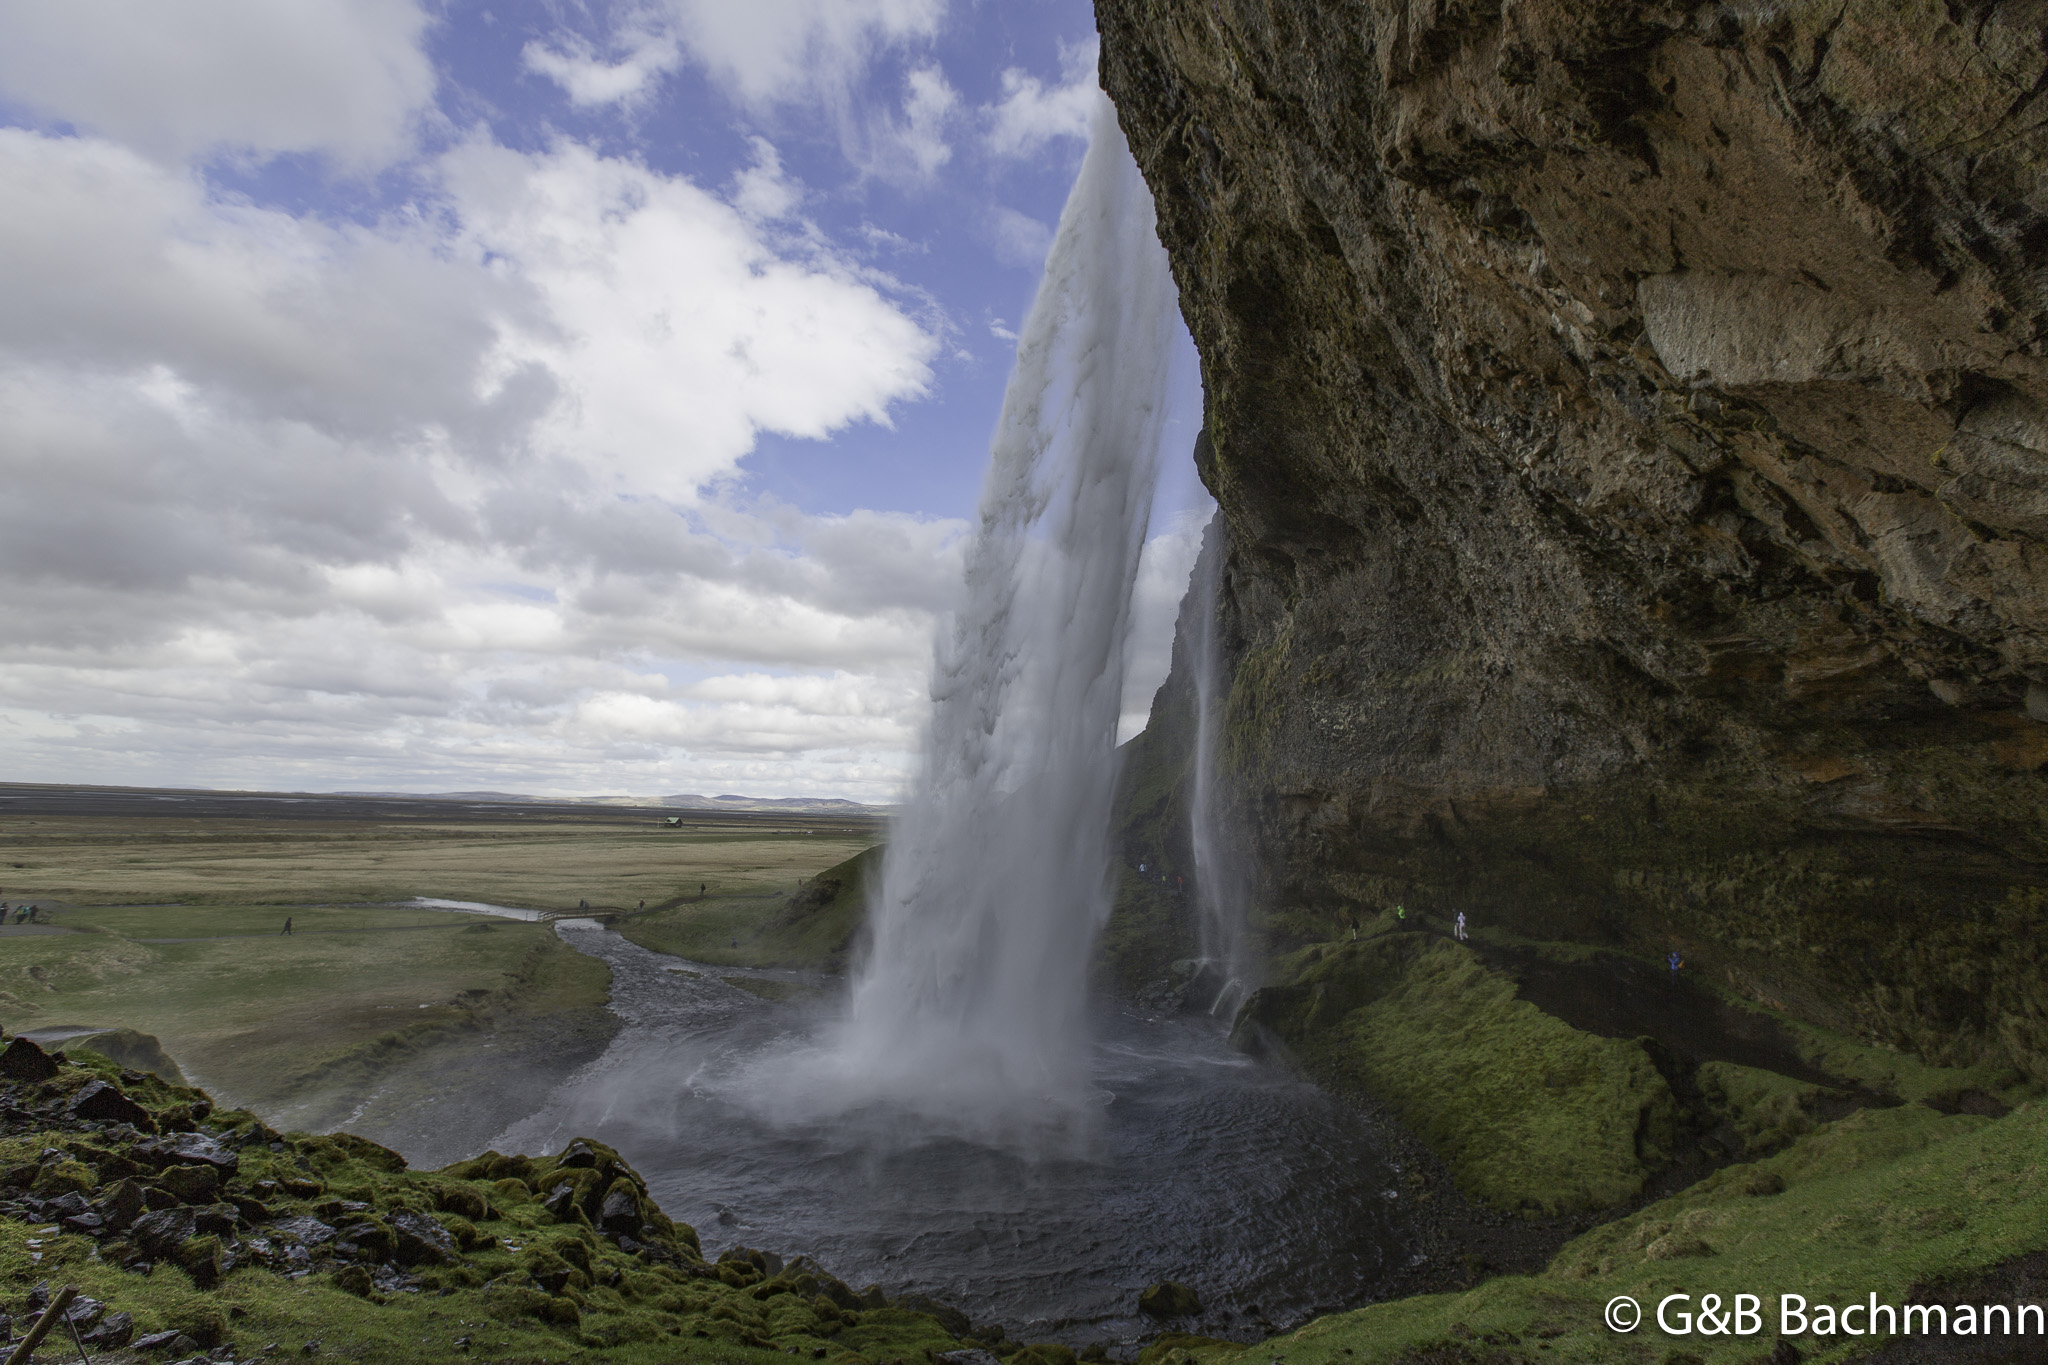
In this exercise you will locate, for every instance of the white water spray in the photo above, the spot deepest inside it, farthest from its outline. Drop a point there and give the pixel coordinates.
(1222, 872)
(970, 1010)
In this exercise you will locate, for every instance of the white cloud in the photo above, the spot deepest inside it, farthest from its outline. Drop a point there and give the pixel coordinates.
(177, 78)
(928, 104)
(647, 50)
(297, 500)
(762, 191)
(1032, 114)
(776, 51)
(675, 331)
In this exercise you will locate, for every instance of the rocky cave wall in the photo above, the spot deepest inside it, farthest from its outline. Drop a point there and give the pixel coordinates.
(1631, 424)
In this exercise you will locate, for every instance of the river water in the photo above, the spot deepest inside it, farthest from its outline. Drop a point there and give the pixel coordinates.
(1205, 1167)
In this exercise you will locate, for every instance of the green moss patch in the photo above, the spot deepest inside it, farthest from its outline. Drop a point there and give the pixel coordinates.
(1527, 1112)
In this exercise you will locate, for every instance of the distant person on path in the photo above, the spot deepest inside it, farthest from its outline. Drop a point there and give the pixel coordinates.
(286, 932)
(700, 891)
(1401, 914)
(1459, 928)
(1676, 962)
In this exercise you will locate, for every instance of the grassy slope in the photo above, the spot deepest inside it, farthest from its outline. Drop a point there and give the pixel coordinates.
(269, 1019)
(633, 1310)
(815, 927)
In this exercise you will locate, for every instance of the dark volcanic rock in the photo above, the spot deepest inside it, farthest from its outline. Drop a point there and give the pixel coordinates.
(189, 1149)
(104, 1102)
(620, 1214)
(421, 1240)
(190, 1184)
(310, 1231)
(24, 1061)
(114, 1332)
(1631, 428)
(161, 1233)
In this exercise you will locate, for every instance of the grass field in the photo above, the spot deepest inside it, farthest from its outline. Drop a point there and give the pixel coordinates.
(174, 932)
(540, 865)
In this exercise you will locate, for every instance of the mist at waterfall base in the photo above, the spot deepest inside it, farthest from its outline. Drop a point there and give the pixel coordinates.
(964, 1121)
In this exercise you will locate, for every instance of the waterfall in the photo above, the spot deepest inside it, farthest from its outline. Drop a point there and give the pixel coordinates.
(970, 1008)
(1222, 872)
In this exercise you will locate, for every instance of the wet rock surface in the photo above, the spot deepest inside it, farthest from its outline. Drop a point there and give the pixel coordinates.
(1628, 426)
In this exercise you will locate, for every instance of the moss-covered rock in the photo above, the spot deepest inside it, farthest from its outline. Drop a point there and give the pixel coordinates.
(529, 1285)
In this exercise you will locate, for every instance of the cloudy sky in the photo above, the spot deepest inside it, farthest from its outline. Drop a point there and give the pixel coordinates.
(570, 396)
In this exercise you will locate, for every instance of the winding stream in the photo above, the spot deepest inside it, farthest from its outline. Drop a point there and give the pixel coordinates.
(1207, 1167)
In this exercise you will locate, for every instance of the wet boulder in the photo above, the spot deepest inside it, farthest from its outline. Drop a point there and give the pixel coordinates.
(420, 1240)
(619, 1215)
(188, 1149)
(24, 1061)
(303, 1229)
(105, 1102)
(190, 1184)
(161, 1233)
(1169, 1300)
(121, 1204)
(114, 1331)
(166, 1340)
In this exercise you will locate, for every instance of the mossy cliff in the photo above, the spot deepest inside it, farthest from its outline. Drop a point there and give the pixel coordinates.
(1628, 423)
(179, 1220)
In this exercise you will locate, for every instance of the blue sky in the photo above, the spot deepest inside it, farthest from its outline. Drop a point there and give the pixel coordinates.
(566, 397)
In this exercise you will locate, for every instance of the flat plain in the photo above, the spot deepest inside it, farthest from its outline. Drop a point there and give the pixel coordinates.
(373, 1012)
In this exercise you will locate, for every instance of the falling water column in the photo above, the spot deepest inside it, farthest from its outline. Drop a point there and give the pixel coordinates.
(971, 1005)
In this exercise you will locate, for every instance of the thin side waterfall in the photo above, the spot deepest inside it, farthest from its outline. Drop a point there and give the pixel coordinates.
(971, 1008)
(1222, 872)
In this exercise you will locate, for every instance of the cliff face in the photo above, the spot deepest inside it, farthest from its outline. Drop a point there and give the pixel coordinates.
(1631, 424)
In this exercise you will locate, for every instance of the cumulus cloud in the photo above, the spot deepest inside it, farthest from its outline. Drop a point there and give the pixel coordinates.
(929, 102)
(323, 494)
(645, 49)
(1032, 114)
(775, 51)
(675, 330)
(178, 78)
